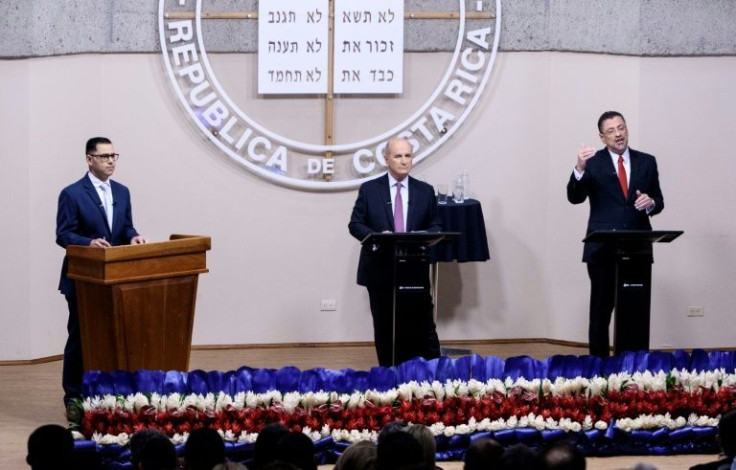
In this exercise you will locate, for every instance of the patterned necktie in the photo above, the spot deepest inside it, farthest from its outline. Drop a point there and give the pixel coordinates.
(107, 202)
(622, 176)
(398, 210)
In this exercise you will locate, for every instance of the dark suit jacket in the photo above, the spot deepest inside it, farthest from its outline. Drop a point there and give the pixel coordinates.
(609, 210)
(80, 218)
(373, 213)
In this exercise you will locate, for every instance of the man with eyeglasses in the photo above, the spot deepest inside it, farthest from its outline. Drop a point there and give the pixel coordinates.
(622, 185)
(94, 211)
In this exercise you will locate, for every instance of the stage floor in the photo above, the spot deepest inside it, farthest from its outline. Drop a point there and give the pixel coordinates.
(31, 394)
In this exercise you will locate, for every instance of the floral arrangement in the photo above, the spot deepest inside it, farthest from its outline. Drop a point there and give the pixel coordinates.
(624, 401)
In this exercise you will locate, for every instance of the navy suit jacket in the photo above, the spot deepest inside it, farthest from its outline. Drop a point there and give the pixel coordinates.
(609, 210)
(373, 213)
(81, 218)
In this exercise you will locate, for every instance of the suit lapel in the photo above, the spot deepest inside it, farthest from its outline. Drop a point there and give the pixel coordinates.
(115, 204)
(635, 175)
(413, 195)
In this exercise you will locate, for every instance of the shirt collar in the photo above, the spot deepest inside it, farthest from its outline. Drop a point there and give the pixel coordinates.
(392, 181)
(96, 181)
(615, 155)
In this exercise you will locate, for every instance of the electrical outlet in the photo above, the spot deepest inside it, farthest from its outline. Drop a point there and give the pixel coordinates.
(328, 305)
(695, 311)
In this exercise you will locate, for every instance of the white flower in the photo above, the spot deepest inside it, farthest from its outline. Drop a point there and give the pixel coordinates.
(223, 400)
(601, 425)
(355, 400)
(249, 438)
(291, 401)
(462, 429)
(251, 400)
(406, 391)
(497, 425)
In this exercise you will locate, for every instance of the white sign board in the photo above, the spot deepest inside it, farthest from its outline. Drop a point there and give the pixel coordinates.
(292, 46)
(369, 46)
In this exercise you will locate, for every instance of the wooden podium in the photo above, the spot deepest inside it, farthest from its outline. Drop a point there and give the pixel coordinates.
(136, 302)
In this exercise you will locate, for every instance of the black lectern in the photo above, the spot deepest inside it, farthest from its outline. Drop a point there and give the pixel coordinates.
(410, 284)
(633, 283)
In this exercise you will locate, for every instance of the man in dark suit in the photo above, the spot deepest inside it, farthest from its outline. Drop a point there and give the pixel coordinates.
(622, 186)
(395, 202)
(94, 211)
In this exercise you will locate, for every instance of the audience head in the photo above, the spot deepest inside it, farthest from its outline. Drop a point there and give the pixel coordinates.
(425, 438)
(158, 454)
(297, 449)
(563, 456)
(483, 454)
(393, 426)
(264, 451)
(139, 439)
(398, 450)
(727, 433)
(520, 457)
(359, 456)
(204, 449)
(50, 447)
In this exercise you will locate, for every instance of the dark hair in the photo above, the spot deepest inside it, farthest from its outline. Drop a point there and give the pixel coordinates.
(139, 440)
(727, 433)
(265, 448)
(158, 454)
(92, 144)
(520, 457)
(563, 455)
(359, 456)
(399, 450)
(204, 449)
(391, 427)
(482, 454)
(426, 440)
(50, 447)
(608, 115)
(297, 449)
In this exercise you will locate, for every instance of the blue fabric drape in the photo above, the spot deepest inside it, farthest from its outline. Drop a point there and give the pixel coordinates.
(611, 441)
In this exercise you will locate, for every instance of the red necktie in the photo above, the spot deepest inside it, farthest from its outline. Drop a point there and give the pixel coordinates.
(398, 210)
(622, 176)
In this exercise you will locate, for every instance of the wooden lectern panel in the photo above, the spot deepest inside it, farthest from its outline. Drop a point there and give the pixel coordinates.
(136, 303)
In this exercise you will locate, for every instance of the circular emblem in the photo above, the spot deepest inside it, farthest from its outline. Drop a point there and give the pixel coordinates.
(270, 147)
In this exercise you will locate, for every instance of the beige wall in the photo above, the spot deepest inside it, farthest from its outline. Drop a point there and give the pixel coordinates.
(276, 252)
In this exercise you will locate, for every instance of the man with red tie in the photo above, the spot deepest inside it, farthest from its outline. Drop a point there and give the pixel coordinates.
(622, 185)
(395, 202)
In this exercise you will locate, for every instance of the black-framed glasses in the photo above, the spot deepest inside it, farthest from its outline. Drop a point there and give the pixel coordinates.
(106, 156)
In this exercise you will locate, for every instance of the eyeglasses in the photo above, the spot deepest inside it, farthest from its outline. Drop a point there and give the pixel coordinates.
(612, 130)
(106, 156)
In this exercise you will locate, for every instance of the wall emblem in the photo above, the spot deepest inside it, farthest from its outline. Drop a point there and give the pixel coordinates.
(345, 146)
